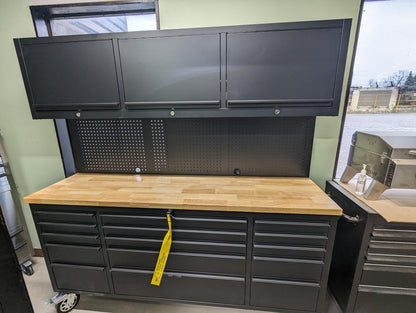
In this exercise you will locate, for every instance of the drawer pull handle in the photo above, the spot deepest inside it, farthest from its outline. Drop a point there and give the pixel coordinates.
(351, 219)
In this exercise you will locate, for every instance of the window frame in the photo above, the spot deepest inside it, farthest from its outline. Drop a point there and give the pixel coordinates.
(45, 13)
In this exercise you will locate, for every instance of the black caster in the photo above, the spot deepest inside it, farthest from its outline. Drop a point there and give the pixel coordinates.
(27, 268)
(71, 300)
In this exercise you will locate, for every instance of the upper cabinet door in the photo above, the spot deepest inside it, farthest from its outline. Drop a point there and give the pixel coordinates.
(76, 75)
(280, 68)
(171, 72)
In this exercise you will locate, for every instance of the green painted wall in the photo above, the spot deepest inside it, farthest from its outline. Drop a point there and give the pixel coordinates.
(31, 145)
(202, 13)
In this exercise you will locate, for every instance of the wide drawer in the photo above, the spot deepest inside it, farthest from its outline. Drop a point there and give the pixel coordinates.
(291, 269)
(181, 262)
(65, 217)
(179, 222)
(177, 246)
(386, 275)
(84, 240)
(81, 229)
(75, 254)
(289, 252)
(385, 300)
(80, 278)
(281, 294)
(177, 234)
(209, 288)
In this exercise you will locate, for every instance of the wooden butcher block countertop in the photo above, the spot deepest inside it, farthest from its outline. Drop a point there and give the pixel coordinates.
(394, 205)
(212, 193)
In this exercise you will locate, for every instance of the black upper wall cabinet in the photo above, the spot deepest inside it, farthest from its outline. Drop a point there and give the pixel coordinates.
(286, 69)
(71, 76)
(171, 72)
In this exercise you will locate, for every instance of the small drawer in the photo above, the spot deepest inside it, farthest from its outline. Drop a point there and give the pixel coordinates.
(392, 247)
(134, 220)
(290, 239)
(291, 269)
(83, 240)
(65, 217)
(182, 221)
(75, 254)
(82, 229)
(389, 275)
(80, 278)
(394, 234)
(280, 294)
(177, 246)
(385, 300)
(391, 259)
(192, 287)
(292, 227)
(289, 252)
(181, 262)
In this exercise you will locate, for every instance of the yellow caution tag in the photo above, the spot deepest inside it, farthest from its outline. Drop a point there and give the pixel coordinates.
(163, 255)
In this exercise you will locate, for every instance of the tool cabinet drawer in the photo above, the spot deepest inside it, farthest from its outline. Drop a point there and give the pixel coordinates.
(60, 216)
(83, 240)
(385, 300)
(174, 285)
(282, 294)
(68, 228)
(389, 275)
(69, 254)
(292, 227)
(80, 278)
(177, 246)
(180, 221)
(291, 269)
(290, 239)
(289, 252)
(182, 262)
(177, 234)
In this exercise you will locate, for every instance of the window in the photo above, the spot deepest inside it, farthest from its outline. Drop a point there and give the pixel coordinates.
(383, 92)
(94, 18)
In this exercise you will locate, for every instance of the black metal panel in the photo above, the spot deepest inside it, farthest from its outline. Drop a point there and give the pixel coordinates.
(193, 287)
(80, 278)
(13, 294)
(171, 71)
(71, 75)
(263, 146)
(282, 294)
(283, 68)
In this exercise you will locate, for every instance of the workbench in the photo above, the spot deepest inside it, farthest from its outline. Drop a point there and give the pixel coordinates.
(248, 242)
(374, 262)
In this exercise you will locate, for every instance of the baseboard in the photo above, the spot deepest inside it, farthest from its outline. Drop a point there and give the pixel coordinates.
(37, 252)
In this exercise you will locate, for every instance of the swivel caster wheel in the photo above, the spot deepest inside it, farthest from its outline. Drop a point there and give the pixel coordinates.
(68, 303)
(27, 268)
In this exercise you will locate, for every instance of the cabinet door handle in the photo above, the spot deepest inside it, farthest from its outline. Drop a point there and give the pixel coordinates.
(351, 219)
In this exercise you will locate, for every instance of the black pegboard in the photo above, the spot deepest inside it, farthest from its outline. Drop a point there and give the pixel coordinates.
(252, 146)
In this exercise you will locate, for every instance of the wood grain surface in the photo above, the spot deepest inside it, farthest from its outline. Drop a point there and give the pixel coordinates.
(213, 193)
(394, 205)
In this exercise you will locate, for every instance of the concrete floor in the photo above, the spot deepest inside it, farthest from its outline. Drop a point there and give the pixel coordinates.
(40, 290)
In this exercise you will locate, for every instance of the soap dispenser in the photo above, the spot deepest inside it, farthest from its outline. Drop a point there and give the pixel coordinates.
(359, 188)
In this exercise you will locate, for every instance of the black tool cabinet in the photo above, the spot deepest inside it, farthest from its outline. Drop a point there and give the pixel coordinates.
(374, 263)
(287, 69)
(276, 262)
